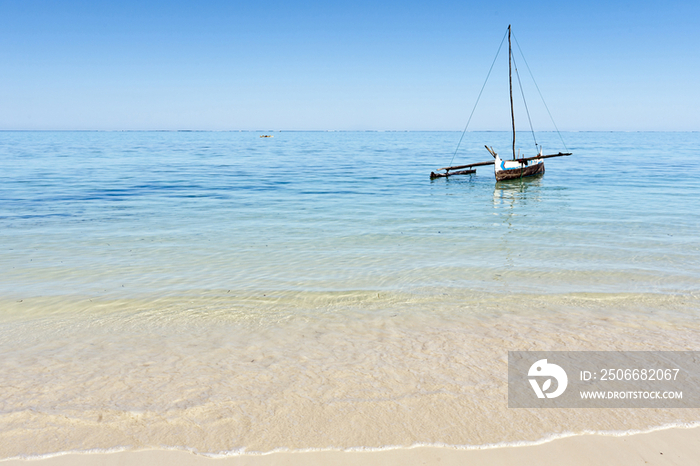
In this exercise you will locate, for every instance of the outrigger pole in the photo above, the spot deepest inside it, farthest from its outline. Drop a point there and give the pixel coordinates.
(467, 169)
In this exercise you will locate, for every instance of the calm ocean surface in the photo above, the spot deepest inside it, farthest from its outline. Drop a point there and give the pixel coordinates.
(224, 293)
(131, 213)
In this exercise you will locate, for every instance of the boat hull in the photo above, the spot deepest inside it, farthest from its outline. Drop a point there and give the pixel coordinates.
(513, 169)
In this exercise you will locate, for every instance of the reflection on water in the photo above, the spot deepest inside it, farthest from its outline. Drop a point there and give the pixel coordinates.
(522, 191)
(512, 198)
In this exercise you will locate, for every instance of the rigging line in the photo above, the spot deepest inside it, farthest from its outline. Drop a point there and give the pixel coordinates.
(479, 97)
(532, 130)
(539, 92)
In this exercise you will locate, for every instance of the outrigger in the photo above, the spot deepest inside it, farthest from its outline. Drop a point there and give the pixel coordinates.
(525, 168)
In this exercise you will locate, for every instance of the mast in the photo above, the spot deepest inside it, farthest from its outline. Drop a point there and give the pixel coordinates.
(510, 83)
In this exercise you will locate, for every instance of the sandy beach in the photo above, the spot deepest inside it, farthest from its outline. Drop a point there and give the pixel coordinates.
(677, 446)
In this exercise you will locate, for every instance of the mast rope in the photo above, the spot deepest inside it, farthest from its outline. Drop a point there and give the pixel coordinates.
(479, 97)
(539, 92)
(532, 130)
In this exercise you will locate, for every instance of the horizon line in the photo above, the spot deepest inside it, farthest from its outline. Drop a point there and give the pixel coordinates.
(325, 131)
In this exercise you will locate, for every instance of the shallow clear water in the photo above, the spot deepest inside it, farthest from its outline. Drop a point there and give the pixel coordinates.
(142, 271)
(166, 212)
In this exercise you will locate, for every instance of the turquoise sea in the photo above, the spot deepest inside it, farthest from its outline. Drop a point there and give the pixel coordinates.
(226, 293)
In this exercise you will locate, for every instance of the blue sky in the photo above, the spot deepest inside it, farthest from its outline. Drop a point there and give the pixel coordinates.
(312, 65)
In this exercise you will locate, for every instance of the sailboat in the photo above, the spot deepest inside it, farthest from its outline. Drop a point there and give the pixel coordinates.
(504, 169)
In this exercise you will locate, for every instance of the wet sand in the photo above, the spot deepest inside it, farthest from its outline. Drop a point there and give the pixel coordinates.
(214, 377)
(678, 446)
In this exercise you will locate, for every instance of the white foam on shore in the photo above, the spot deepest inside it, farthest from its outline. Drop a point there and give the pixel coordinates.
(542, 441)
(243, 452)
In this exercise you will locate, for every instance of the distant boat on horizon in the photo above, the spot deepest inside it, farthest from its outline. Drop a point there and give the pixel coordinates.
(518, 167)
